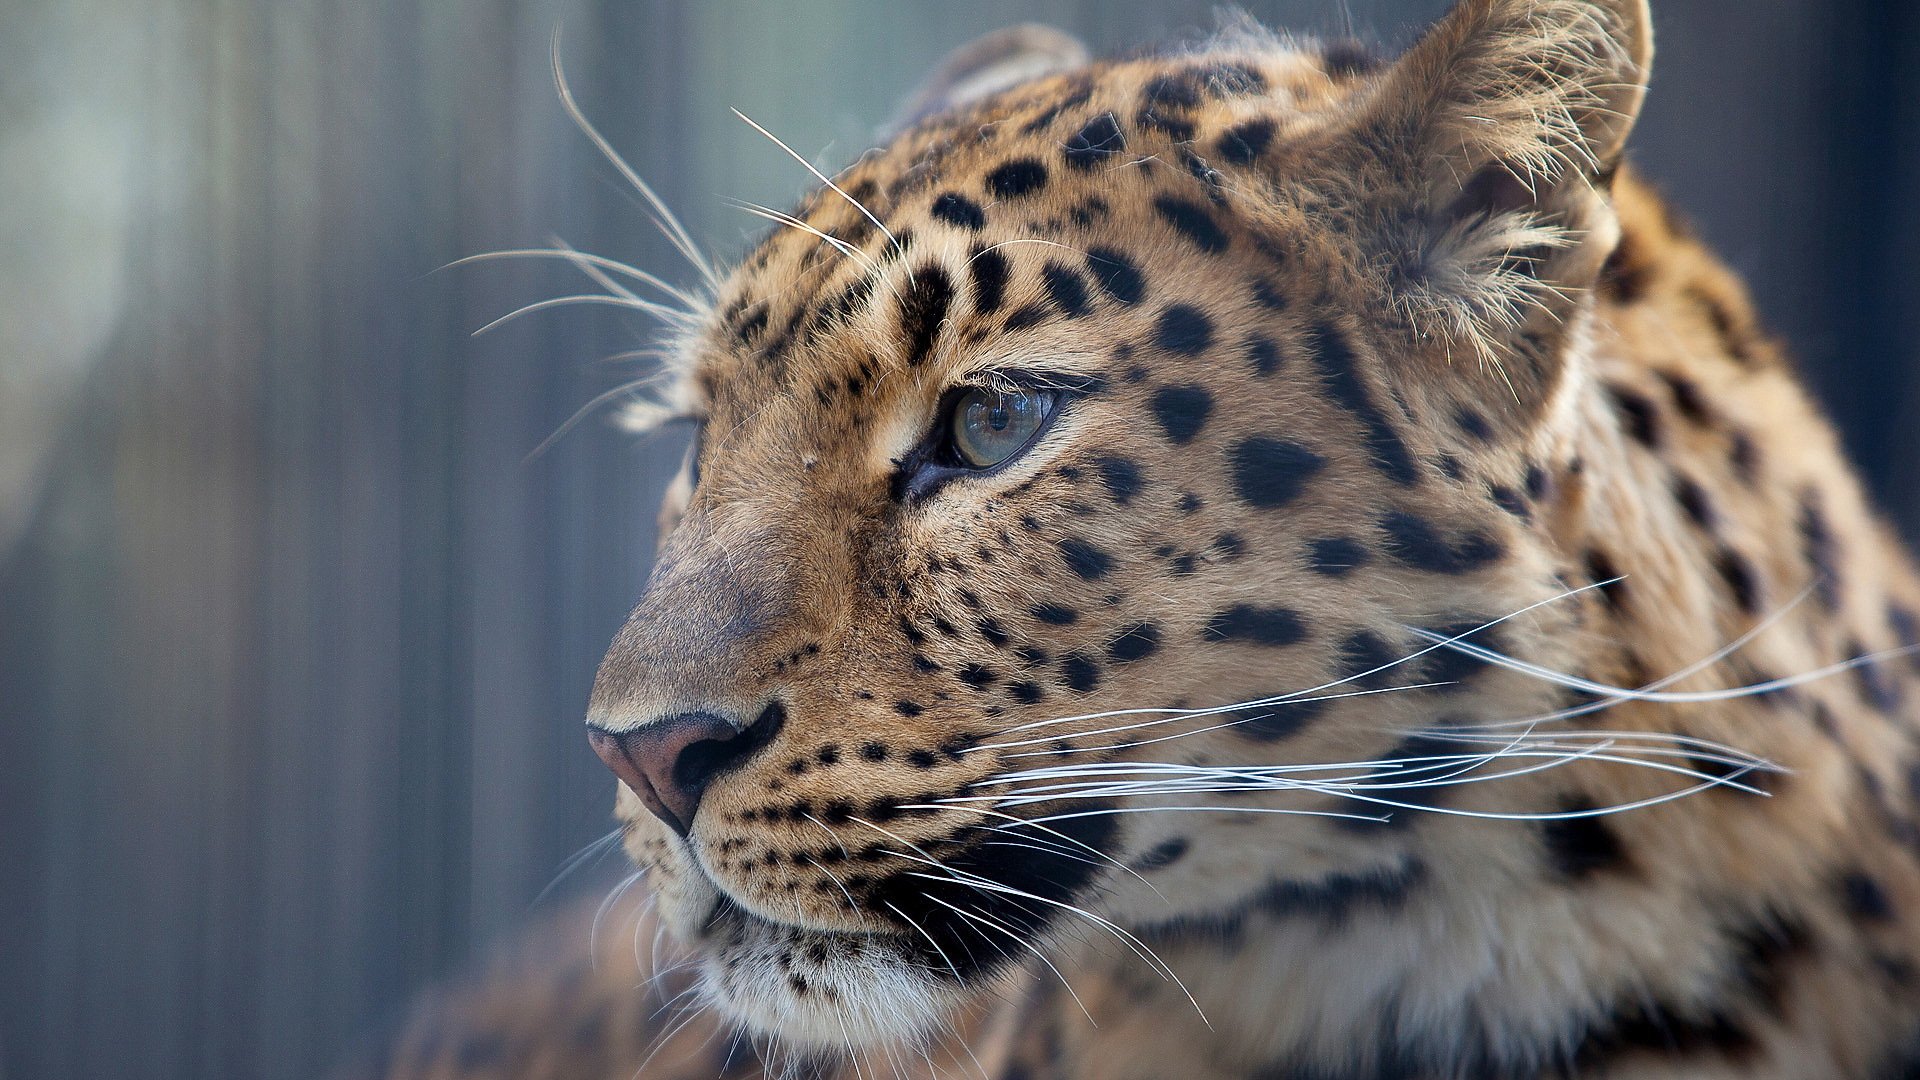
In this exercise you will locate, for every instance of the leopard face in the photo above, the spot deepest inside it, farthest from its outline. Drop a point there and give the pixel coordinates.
(1101, 435)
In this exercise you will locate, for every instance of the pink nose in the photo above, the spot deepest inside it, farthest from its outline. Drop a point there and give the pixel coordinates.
(670, 762)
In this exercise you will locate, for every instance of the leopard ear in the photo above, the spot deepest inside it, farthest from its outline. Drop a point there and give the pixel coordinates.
(1540, 88)
(1502, 127)
(987, 65)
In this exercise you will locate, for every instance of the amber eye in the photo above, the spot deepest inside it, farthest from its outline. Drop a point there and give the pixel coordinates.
(991, 426)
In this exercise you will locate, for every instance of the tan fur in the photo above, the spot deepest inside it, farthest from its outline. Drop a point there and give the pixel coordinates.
(1457, 361)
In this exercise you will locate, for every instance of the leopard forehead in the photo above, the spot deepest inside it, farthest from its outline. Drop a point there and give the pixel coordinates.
(1037, 205)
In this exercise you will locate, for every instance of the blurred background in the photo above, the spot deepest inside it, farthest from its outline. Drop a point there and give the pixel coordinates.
(295, 637)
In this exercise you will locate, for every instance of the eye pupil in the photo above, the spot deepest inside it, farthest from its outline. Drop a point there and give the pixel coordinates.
(991, 426)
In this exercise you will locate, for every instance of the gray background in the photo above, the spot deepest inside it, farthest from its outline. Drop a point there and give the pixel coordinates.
(294, 642)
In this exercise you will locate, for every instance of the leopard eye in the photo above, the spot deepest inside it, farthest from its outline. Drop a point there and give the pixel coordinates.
(991, 426)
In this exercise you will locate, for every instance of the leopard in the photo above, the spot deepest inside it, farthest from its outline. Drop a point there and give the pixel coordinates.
(1259, 559)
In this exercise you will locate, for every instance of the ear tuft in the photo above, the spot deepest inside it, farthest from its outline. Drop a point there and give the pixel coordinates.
(987, 65)
(1501, 128)
(1544, 87)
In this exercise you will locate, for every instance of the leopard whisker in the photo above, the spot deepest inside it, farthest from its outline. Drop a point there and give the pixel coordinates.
(606, 906)
(951, 966)
(1215, 711)
(690, 304)
(844, 248)
(1277, 699)
(662, 216)
(577, 860)
(822, 177)
(985, 920)
(1772, 619)
(660, 311)
(1017, 822)
(977, 882)
(1575, 682)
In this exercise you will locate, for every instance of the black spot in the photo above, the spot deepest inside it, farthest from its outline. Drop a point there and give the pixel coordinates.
(977, 676)
(958, 210)
(1865, 898)
(1030, 315)
(1348, 57)
(908, 708)
(1333, 354)
(1267, 296)
(1116, 275)
(1337, 556)
(1085, 559)
(1192, 221)
(1067, 289)
(1509, 500)
(1269, 473)
(922, 759)
(1264, 354)
(1159, 110)
(1095, 140)
(1242, 143)
(1022, 176)
(827, 755)
(1414, 541)
(1741, 578)
(1121, 476)
(1473, 423)
(1876, 688)
(1230, 546)
(993, 632)
(990, 273)
(1817, 541)
(1081, 672)
(1161, 855)
(1579, 847)
(1364, 657)
(1694, 501)
(1136, 642)
(1055, 615)
(1639, 417)
(1602, 571)
(1744, 456)
(874, 751)
(1182, 411)
(1026, 693)
(1687, 397)
(1273, 626)
(1183, 330)
(1179, 90)
(923, 309)
(1537, 483)
(1190, 503)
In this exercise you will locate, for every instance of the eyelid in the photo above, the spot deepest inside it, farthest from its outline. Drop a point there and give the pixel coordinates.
(1004, 379)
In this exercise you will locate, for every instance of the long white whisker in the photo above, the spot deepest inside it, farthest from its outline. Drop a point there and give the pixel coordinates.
(838, 244)
(687, 299)
(822, 177)
(631, 303)
(1575, 682)
(983, 919)
(663, 217)
(1277, 699)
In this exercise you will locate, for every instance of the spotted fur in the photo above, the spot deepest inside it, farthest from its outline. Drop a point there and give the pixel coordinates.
(1396, 410)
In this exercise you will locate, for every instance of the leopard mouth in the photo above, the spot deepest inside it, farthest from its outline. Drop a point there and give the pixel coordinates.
(940, 934)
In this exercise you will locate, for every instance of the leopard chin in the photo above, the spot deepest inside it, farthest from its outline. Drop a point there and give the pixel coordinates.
(819, 991)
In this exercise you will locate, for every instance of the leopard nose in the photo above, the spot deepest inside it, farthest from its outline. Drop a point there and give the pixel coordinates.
(670, 762)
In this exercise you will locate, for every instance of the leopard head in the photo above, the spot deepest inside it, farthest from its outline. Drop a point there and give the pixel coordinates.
(1094, 488)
